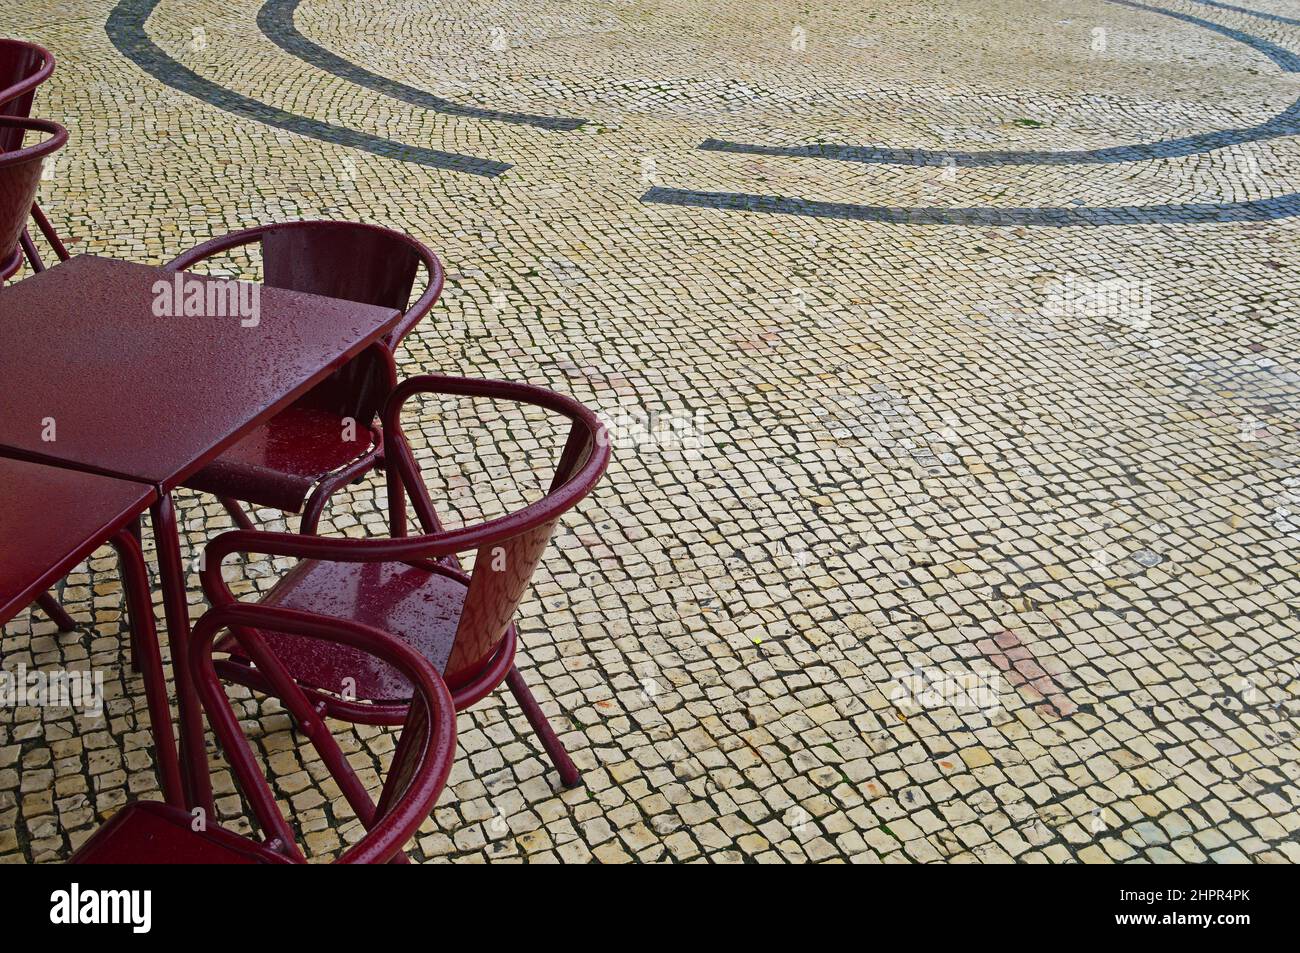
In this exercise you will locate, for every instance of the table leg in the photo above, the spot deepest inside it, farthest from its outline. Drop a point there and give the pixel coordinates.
(148, 658)
(193, 754)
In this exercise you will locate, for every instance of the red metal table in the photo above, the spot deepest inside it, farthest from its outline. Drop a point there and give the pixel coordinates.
(95, 379)
(51, 519)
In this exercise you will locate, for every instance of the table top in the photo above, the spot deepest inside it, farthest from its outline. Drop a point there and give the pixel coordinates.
(52, 518)
(100, 369)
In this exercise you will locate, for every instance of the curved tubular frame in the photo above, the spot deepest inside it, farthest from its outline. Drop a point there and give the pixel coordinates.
(57, 137)
(422, 759)
(7, 96)
(413, 314)
(572, 482)
(315, 506)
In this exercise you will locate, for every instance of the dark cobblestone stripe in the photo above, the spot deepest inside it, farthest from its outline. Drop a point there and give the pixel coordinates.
(275, 20)
(1286, 123)
(1286, 61)
(1276, 18)
(125, 28)
(1282, 206)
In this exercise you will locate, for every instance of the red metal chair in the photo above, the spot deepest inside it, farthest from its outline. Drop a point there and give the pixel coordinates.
(148, 832)
(412, 586)
(20, 175)
(23, 67)
(311, 444)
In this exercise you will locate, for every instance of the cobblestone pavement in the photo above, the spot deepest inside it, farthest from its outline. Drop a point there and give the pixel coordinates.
(950, 353)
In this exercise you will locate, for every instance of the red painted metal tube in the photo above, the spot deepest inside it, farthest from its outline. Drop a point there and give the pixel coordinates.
(436, 545)
(194, 758)
(148, 659)
(424, 752)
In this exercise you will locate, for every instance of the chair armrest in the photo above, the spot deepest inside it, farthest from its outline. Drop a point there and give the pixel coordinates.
(585, 455)
(492, 390)
(214, 246)
(425, 749)
(258, 542)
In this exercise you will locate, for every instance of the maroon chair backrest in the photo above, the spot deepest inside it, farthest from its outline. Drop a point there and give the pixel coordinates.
(348, 260)
(23, 67)
(504, 568)
(501, 576)
(20, 176)
(341, 260)
(356, 263)
(423, 756)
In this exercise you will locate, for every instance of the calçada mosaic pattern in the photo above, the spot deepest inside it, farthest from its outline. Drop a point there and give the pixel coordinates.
(950, 357)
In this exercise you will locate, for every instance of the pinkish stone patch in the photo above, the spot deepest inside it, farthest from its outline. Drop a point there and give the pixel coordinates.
(1027, 675)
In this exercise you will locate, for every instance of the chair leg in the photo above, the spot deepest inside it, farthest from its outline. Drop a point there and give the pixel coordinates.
(135, 532)
(237, 513)
(51, 236)
(171, 575)
(29, 249)
(569, 776)
(135, 651)
(50, 606)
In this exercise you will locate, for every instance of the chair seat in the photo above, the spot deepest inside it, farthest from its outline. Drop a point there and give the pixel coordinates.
(422, 607)
(277, 464)
(148, 832)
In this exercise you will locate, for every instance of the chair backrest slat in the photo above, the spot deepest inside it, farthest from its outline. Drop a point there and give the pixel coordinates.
(501, 576)
(341, 260)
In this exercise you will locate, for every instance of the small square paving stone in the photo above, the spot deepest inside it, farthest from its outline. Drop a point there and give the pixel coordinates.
(952, 511)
